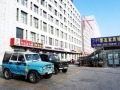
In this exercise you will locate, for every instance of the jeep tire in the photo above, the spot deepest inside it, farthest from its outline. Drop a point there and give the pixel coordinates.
(33, 77)
(64, 70)
(55, 71)
(7, 74)
(47, 76)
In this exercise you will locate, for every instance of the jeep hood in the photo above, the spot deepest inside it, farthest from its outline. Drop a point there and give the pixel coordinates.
(38, 63)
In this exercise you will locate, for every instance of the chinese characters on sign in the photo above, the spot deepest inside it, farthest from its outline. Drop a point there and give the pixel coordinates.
(105, 41)
(26, 43)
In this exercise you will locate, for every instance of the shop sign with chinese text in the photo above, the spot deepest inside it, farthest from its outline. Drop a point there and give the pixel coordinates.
(105, 41)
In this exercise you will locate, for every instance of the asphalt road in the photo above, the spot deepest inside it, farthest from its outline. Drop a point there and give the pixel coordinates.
(77, 78)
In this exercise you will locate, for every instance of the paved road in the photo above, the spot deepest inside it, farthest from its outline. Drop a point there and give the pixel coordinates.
(77, 78)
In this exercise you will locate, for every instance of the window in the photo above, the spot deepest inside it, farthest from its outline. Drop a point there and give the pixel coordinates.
(66, 28)
(57, 32)
(61, 25)
(50, 7)
(61, 34)
(24, 17)
(50, 41)
(35, 22)
(21, 58)
(64, 12)
(57, 22)
(56, 12)
(33, 36)
(64, 5)
(51, 18)
(60, 8)
(65, 44)
(65, 19)
(56, 42)
(19, 33)
(44, 26)
(14, 57)
(60, 16)
(43, 2)
(24, 2)
(55, 3)
(51, 30)
(61, 44)
(44, 14)
(61, 1)
(42, 39)
(66, 36)
(36, 9)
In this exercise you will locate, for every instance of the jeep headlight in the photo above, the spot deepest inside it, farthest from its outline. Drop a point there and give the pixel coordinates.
(43, 68)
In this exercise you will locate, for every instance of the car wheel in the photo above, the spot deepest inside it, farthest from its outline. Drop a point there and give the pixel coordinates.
(55, 70)
(64, 70)
(33, 77)
(47, 76)
(7, 74)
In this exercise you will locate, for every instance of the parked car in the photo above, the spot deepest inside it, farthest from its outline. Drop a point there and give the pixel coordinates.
(58, 64)
(27, 64)
(76, 62)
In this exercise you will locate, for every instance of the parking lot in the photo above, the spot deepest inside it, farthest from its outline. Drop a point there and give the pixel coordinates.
(77, 78)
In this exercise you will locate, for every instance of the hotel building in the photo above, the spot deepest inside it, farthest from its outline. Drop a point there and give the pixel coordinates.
(50, 26)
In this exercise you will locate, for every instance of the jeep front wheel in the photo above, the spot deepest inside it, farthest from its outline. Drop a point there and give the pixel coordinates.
(47, 76)
(33, 77)
(55, 70)
(64, 70)
(7, 74)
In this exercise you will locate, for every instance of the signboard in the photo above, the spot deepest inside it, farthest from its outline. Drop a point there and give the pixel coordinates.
(105, 41)
(25, 43)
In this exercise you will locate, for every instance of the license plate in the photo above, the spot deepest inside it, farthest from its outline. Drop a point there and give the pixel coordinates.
(49, 72)
(65, 67)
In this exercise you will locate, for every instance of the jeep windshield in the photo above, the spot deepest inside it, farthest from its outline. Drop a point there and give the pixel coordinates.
(54, 57)
(33, 57)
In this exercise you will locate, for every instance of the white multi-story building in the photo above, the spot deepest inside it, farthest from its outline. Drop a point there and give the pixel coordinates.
(90, 30)
(52, 26)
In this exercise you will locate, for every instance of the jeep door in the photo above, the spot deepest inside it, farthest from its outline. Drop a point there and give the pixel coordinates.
(13, 63)
(21, 65)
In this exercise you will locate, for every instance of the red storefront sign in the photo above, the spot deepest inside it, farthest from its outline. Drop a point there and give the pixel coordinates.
(20, 42)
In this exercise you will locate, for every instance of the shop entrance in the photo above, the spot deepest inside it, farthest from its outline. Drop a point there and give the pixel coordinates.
(113, 58)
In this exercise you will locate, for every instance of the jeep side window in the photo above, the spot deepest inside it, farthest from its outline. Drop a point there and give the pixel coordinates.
(21, 58)
(56, 57)
(14, 57)
(51, 57)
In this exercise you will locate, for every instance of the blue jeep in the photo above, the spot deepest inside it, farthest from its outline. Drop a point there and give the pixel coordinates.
(27, 64)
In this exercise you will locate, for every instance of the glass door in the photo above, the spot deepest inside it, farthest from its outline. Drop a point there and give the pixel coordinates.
(116, 58)
(109, 57)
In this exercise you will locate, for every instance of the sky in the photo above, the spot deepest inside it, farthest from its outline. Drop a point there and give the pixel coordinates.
(106, 13)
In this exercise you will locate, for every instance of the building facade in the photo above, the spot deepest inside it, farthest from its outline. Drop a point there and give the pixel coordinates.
(90, 29)
(52, 26)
